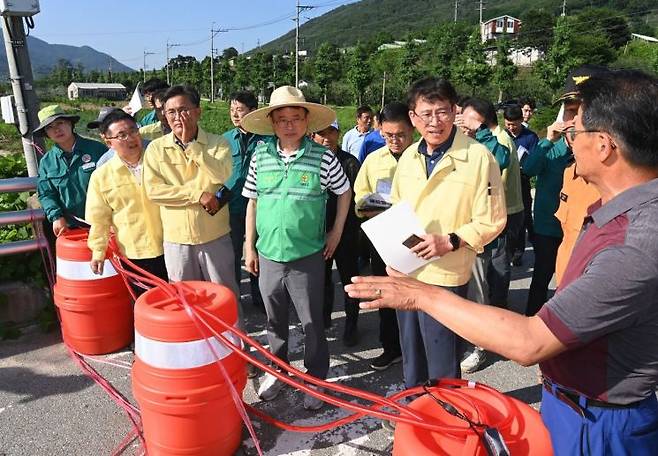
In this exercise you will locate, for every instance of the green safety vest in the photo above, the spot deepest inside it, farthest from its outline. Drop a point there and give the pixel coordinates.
(291, 204)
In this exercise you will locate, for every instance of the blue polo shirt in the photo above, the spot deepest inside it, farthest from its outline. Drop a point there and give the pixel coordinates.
(432, 159)
(371, 143)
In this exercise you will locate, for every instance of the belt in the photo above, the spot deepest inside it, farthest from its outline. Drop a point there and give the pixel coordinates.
(573, 399)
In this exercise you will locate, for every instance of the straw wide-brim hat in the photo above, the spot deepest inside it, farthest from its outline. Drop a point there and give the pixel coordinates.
(259, 121)
(51, 113)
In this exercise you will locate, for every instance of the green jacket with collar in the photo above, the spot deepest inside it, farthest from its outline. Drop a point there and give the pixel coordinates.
(62, 184)
(547, 161)
(241, 157)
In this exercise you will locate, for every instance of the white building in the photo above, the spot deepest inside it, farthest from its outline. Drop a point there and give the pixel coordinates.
(111, 91)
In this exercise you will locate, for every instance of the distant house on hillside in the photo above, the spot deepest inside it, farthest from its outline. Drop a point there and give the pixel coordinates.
(96, 90)
(498, 26)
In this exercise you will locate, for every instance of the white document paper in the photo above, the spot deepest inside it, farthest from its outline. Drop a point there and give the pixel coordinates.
(521, 151)
(387, 232)
(136, 102)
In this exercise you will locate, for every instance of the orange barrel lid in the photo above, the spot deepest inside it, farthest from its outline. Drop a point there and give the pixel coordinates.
(72, 245)
(162, 318)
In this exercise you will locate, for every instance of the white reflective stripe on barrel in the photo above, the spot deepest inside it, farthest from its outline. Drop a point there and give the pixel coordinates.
(182, 355)
(80, 270)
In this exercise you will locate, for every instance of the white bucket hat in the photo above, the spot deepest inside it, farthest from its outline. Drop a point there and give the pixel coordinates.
(259, 122)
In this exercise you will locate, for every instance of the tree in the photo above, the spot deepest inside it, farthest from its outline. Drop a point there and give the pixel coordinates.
(594, 48)
(62, 73)
(229, 53)
(224, 76)
(242, 72)
(358, 73)
(472, 68)
(536, 30)
(326, 67)
(606, 21)
(560, 58)
(282, 70)
(261, 71)
(504, 70)
(409, 68)
(444, 44)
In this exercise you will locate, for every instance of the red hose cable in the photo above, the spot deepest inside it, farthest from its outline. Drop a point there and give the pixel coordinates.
(234, 394)
(383, 401)
(447, 387)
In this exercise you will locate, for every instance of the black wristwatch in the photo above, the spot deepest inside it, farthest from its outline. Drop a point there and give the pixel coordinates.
(454, 240)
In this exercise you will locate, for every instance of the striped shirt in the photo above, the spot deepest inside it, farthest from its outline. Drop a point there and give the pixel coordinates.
(332, 176)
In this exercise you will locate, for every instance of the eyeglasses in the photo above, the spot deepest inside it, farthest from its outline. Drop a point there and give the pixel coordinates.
(124, 135)
(572, 132)
(173, 113)
(428, 116)
(394, 137)
(286, 122)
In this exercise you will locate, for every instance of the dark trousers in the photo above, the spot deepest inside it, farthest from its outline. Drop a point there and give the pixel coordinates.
(545, 248)
(155, 266)
(237, 223)
(389, 333)
(429, 350)
(300, 283)
(499, 270)
(528, 226)
(347, 262)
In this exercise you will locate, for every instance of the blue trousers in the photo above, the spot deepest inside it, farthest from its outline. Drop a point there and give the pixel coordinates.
(429, 349)
(600, 431)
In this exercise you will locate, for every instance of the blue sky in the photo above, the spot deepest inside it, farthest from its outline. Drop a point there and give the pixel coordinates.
(125, 29)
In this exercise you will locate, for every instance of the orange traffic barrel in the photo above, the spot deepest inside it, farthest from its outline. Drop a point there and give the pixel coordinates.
(95, 310)
(520, 426)
(184, 399)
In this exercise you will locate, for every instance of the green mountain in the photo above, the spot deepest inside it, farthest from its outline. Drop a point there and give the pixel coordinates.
(44, 56)
(372, 19)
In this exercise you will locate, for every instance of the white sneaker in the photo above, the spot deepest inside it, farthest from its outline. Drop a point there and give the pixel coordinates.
(270, 387)
(473, 360)
(312, 402)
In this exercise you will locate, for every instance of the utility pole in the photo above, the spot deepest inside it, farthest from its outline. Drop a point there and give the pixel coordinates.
(456, 5)
(213, 32)
(169, 46)
(481, 9)
(25, 99)
(564, 7)
(300, 8)
(144, 67)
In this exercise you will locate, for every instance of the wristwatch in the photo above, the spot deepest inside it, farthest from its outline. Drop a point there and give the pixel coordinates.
(454, 241)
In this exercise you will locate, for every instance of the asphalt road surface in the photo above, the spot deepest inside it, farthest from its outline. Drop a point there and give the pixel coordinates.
(49, 407)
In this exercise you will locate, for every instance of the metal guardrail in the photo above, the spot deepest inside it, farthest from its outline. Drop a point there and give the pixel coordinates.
(18, 184)
(15, 185)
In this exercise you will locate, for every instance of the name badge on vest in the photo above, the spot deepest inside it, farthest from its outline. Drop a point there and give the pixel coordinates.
(564, 197)
(87, 166)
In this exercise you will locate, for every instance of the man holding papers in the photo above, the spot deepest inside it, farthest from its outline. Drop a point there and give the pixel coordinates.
(372, 193)
(453, 184)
